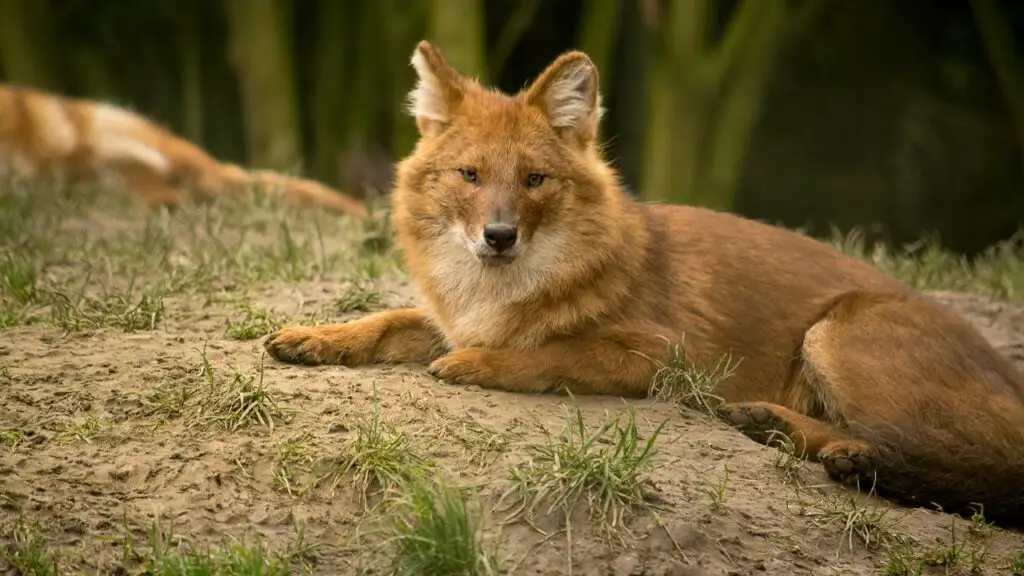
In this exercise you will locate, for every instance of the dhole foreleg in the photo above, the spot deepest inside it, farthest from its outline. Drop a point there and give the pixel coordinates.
(605, 363)
(392, 336)
(814, 439)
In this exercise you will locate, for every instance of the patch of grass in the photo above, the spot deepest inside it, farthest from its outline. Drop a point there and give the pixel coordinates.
(378, 456)
(977, 560)
(30, 214)
(113, 311)
(786, 459)
(256, 323)
(1016, 564)
(242, 401)
(10, 438)
(18, 288)
(482, 441)
(84, 431)
(358, 297)
(376, 235)
(902, 560)
(979, 526)
(584, 464)
(840, 510)
(260, 322)
(953, 557)
(66, 262)
(997, 272)
(207, 400)
(28, 554)
(431, 530)
(292, 458)
(171, 400)
(169, 555)
(947, 556)
(715, 491)
(690, 383)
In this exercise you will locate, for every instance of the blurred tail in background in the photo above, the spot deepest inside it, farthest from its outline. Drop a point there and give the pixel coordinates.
(78, 140)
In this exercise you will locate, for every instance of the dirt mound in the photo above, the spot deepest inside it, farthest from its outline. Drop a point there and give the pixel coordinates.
(127, 423)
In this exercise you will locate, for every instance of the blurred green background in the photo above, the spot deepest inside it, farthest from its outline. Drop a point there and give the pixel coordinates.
(902, 116)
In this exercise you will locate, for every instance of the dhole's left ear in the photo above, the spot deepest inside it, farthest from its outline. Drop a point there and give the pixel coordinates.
(568, 94)
(438, 90)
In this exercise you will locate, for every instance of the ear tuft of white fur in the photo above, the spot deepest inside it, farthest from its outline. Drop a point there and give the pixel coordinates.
(426, 100)
(570, 99)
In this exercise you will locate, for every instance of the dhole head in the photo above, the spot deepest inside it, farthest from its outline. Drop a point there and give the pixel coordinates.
(495, 177)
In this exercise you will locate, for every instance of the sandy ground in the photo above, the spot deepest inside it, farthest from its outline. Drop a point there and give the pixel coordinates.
(97, 461)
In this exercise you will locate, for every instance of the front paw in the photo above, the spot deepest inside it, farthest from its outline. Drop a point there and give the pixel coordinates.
(755, 421)
(466, 367)
(304, 345)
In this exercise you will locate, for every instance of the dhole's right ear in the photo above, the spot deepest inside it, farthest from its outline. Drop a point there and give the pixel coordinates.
(438, 90)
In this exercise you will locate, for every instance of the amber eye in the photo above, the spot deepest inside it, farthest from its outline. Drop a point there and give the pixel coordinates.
(534, 180)
(469, 175)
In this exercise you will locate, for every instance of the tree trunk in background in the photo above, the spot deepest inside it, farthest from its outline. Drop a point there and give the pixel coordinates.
(704, 97)
(406, 26)
(457, 28)
(1005, 57)
(330, 87)
(364, 110)
(261, 52)
(27, 44)
(91, 72)
(740, 108)
(601, 22)
(510, 35)
(189, 15)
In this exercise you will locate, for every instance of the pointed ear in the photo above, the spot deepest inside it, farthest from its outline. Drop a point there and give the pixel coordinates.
(568, 93)
(438, 90)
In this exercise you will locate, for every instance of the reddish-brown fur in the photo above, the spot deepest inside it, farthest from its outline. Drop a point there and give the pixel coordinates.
(43, 134)
(863, 373)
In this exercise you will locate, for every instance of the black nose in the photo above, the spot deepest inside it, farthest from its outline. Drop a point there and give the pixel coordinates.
(501, 237)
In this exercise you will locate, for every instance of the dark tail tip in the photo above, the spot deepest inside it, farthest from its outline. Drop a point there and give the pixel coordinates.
(955, 483)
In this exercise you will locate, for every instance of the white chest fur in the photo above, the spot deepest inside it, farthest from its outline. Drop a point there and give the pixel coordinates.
(483, 303)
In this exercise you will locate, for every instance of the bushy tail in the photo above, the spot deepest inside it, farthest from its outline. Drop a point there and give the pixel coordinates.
(975, 465)
(307, 191)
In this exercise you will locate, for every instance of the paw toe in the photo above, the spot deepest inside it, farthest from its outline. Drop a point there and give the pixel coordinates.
(754, 421)
(847, 462)
(463, 368)
(293, 347)
(444, 369)
(434, 370)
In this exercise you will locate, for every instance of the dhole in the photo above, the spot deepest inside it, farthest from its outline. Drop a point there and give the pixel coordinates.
(82, 140)
(540, 274)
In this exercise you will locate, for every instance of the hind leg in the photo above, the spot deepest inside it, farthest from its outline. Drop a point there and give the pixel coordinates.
(903, 374)
(845, 458)
(872, 363)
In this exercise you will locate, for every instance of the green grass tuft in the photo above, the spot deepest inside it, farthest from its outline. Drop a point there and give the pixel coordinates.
(168, 555)
(688, 382)
(378, 457)
(998, 271)
(28, 553)
(432, 530)
(256, 323)
(583, 464)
